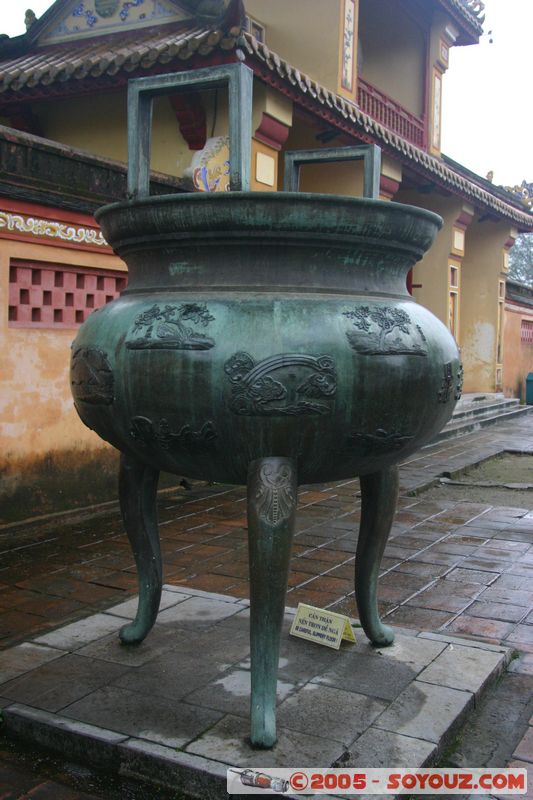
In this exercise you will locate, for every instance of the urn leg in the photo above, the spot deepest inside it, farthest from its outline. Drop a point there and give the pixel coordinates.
(379, 493)
(272, 497)
(138, 494)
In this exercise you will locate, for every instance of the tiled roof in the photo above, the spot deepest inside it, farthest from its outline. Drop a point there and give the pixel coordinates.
(171, 44)
(104, 55)
(519, 293)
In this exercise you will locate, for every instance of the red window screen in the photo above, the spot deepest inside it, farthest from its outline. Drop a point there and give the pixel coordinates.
(527, 331)
(52, 296)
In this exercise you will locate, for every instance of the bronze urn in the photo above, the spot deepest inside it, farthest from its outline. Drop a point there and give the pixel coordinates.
(265, 339)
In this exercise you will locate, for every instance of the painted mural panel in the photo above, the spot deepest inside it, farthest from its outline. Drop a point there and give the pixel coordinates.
(94, 17)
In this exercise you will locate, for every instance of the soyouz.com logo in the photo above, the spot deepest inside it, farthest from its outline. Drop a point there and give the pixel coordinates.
(376, 781)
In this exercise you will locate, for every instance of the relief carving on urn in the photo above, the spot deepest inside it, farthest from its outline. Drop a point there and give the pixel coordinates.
(165, 328)
(91, 378)
(160, 434)
(384, 330)
(304, 385)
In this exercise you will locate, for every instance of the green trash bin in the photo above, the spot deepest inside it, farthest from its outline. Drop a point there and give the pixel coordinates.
(529, 389)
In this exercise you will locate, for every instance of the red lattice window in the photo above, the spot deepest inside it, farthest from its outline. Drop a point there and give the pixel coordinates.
(526, 331)
(52, 296)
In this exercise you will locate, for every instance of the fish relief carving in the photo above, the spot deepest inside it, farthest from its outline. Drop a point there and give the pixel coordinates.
(302, 385)
(91, 377)
(165, 328)
(275, 499)
(147, 433)
(384, 330)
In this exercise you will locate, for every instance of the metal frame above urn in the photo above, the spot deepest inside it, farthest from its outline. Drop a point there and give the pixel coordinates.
(265, 339)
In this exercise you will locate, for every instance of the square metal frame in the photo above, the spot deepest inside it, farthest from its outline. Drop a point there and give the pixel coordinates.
(370, 154)
(141, 91)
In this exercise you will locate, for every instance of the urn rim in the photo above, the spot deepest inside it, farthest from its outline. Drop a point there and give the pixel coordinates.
(281, 198)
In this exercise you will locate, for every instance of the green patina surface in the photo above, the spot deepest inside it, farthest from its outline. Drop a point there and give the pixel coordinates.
(288, 351)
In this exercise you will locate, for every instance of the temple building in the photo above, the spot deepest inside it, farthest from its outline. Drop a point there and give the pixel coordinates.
(327, 73)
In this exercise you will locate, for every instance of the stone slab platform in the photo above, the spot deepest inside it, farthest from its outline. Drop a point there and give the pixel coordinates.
(174, 710)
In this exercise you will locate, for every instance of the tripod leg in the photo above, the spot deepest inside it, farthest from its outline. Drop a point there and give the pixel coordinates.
(272, 498)
(138, 492)
(379, 493)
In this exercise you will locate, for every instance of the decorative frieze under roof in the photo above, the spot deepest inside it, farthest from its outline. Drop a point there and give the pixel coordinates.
(88, 18)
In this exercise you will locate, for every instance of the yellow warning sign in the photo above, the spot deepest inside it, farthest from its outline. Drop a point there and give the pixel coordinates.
(321, 626)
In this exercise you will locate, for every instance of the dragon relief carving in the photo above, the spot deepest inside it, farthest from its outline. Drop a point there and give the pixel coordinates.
(165, 328)
(303, 385)
(384, 330)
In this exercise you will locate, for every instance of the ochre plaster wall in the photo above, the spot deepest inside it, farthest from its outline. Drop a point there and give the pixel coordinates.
(392, 52)
(341, 178)
(314, 52)
(481, 273)
(517, 355)
(98, 124)
(40, 428)
(430, 275)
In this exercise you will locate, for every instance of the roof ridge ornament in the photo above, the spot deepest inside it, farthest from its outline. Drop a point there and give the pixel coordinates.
(524, 193)
(476, 8)
(29, 19)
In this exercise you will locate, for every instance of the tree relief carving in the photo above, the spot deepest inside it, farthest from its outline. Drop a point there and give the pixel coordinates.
(282, 385)
(384, 330)
(166, 328)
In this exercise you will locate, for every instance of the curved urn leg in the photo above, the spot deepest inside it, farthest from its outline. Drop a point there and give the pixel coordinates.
(138, 493)
(379, 493)
(272, 497)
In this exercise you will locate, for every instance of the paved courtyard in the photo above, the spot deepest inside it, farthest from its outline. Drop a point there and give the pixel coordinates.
(455, 567)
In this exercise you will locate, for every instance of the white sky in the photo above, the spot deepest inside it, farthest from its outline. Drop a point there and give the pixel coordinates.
(488, 90)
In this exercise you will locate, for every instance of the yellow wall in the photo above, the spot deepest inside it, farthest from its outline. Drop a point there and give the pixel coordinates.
(392, 52)
(342, 178)
(517, 355)
(482, 271)
(36, 407)
(430, 275)
(264, 173)
(303, 32)
(98, 124)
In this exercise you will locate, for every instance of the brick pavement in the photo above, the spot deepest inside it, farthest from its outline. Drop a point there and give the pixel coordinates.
(453, 566)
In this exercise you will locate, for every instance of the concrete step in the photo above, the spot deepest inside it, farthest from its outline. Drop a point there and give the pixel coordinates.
(460, 426)
(484, 408)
